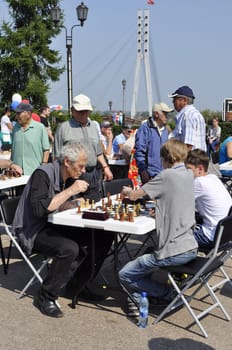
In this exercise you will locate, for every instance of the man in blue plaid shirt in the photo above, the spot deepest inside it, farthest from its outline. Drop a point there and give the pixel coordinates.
(190, 124)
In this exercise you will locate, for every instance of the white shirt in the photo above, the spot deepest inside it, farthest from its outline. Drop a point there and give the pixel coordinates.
(4, 121)
(213, 202)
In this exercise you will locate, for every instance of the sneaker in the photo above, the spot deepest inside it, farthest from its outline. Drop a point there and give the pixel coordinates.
(133, 310)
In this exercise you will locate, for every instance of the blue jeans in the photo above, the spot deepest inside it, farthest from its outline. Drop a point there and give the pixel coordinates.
(136, 274)
(202, 240)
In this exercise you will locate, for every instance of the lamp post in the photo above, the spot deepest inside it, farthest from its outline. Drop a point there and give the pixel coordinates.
(82, 12)
(110, 106)
(123, 100)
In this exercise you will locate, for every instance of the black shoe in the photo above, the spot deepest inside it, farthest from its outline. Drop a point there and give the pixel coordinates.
(87, 295)
(47, 307)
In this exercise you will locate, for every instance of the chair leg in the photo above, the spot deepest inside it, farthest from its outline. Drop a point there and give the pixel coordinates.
(35, 276)
(3, 257)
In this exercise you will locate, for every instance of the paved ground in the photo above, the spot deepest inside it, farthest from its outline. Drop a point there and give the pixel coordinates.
(101, 326)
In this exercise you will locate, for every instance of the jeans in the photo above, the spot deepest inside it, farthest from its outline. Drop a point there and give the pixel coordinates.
(137, 273)
(202, 240)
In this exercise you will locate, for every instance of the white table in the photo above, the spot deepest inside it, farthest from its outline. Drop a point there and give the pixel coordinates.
(14, 182)
(140, 226)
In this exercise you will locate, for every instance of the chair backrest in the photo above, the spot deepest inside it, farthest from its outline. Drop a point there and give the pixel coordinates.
(115, 186)
(223, 235)
(8, 208)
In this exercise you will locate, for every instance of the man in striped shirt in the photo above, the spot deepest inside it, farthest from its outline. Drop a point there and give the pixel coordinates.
(190, 124)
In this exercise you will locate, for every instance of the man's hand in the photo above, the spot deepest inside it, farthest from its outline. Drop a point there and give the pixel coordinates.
(16, 169)
(126, 190)
(79, 186)
(107, 174)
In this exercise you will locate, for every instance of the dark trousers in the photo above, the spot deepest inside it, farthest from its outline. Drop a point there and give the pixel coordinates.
(63, 244)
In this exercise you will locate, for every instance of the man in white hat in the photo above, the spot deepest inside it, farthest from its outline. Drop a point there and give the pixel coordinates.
(81, 128)
(150, 136)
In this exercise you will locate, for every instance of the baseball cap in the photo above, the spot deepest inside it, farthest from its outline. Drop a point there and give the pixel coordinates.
(183, 91)
(161, 107)
(106, 124)
(23, 107)
(82, 103)
(127, 126)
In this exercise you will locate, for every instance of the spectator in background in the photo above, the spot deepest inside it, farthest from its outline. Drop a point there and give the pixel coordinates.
(44, 115)
(106, 139)
(149, 138)
(120, 139)
(225, 155)
(213, 136)
(81, 128)
(190, 124)
(6, 129)
(30, 146)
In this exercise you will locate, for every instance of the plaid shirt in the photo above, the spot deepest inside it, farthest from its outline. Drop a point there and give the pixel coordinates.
(190, 128)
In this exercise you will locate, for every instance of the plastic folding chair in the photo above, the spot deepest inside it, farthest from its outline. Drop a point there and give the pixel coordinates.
(200, 271)
(7, 209)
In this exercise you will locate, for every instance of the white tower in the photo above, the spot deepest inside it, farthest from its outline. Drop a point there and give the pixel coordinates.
(143, 55)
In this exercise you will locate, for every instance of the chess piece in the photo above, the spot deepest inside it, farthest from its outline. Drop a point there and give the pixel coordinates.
(87, 203)
(109, 201)
(92, 204)
(116, 215)
(131, 216)
(78, 207)
(122, 215)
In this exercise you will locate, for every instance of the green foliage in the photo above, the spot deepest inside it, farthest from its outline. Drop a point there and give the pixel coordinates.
(27, 64)
(226, 130)
(209, 115)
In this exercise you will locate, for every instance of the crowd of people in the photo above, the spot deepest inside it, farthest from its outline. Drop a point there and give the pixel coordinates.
(70, 166)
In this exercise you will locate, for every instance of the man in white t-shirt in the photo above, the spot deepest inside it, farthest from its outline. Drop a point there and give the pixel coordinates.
(212, 199)
(6, 128)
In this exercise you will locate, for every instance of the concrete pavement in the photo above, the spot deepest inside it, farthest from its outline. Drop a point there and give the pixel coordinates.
(101, 326)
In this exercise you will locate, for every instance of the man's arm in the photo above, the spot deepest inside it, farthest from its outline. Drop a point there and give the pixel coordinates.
(45, 156)
(41, 200)
(106, 169)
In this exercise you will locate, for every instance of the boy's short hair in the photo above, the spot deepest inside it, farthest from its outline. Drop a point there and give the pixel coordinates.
(198, 157)
(174, 151)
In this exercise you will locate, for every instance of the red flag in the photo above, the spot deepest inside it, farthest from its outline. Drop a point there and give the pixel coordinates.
(150, 2)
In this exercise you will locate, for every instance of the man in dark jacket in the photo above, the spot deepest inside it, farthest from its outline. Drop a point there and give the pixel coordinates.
(44, 193)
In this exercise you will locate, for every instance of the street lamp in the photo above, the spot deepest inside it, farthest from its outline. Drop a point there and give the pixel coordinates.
(123, 100)
(82, 12)
(110, 106)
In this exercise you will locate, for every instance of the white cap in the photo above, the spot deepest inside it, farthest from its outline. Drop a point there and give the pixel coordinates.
(82, 103)
(162, 107)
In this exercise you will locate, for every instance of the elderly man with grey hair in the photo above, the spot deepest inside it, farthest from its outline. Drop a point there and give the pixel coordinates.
(149, 138)
(44, 193)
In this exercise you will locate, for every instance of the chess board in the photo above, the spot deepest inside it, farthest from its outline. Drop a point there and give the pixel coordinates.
(115, 207)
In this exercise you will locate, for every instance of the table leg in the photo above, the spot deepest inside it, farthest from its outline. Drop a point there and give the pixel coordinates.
(75, 297)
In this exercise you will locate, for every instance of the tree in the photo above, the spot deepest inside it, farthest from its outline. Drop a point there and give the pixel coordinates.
(27, 64)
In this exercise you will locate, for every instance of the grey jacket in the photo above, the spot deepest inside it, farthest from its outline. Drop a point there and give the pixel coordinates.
(26, 225)
(173, 190)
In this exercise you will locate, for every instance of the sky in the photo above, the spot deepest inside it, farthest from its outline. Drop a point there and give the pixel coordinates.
(190, 45)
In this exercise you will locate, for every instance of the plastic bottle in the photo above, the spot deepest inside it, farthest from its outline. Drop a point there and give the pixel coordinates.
(143, 310)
